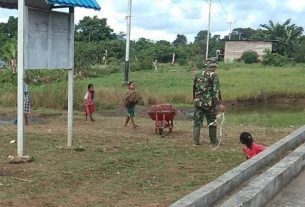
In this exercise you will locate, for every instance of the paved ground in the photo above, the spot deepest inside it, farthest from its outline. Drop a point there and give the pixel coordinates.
(293, 195)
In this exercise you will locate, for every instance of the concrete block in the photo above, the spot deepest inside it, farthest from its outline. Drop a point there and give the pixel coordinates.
(217, 189)
(260, 190)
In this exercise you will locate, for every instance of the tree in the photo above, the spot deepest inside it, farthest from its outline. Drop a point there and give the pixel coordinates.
(300, 51)
(180, 40)
(285, 34)
(199, 46)
(201, 36)
(243, 33)
(12, 27)
(8, 31)
(9, 53)
(121, 36)
(163, 51)
(93, 29)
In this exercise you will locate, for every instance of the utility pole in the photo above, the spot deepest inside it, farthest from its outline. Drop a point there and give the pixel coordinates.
(128, 19)
(230, 24)
(20, 74)
(208, 35)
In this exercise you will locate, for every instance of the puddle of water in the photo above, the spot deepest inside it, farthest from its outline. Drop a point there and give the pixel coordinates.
(32, 120)
(8, 122)
(275, 105)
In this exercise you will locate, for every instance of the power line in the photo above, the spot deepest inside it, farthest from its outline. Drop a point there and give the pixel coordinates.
(218, 15)
(219, 1)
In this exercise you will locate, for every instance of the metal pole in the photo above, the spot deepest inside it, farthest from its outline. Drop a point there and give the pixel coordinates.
(70, 77)
(127, 42)
(230, 23)
(20, 112)
(208, 35)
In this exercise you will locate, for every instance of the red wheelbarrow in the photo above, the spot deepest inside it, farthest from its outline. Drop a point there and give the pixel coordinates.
(163, 115)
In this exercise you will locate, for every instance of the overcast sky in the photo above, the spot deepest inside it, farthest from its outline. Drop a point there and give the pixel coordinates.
(164, 19)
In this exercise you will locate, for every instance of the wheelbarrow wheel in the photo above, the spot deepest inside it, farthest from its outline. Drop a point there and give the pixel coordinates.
(160, 131)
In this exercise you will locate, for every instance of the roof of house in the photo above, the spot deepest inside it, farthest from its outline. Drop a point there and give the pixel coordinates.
(47, 4)
(90, 4)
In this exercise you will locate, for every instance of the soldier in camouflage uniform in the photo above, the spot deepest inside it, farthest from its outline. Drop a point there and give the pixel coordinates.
(206, 95)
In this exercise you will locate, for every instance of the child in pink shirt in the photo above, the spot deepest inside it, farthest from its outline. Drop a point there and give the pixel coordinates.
(89, 102)
(250, 149)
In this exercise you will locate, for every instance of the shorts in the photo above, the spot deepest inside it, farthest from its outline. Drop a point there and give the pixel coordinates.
(130, 110)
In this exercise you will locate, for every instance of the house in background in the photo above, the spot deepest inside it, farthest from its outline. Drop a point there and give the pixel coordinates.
(235, 48)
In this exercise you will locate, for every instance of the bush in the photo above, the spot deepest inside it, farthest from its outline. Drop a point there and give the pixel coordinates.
(249, 57)
(7, 76)
(144, 63)
(274, 59)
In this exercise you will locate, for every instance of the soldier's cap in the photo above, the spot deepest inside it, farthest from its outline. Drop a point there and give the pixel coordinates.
(212, 65)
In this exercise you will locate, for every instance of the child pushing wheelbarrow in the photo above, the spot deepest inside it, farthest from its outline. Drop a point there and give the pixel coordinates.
(163, 115)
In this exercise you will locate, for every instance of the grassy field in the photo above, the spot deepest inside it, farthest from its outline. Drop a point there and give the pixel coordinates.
(126, 167)
(173, 85)
(121, 166)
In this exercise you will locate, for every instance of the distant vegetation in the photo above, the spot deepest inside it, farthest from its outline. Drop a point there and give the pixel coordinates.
(99, 54)
(98, 50)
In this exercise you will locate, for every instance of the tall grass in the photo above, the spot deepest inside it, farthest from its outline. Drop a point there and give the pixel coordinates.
(171, 84)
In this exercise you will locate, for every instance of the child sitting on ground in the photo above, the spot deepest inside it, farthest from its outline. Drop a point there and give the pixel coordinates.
(131, 98)
(251, 149)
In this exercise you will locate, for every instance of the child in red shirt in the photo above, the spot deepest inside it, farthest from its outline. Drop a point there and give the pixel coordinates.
(251, 149)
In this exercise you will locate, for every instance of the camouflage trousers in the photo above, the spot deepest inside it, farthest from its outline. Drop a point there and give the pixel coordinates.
(209, 114)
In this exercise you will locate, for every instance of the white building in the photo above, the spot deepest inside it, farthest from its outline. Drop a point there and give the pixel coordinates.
(235, 48)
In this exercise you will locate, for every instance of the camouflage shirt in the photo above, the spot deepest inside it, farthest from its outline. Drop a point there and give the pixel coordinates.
(206, 89)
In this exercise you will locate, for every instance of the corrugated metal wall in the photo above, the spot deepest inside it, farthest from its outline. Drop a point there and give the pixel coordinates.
(91, 4)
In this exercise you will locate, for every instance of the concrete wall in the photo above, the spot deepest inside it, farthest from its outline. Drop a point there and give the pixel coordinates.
(47, 40)
(12, 4)
(234, 49)
(214, 191)
(260, 190)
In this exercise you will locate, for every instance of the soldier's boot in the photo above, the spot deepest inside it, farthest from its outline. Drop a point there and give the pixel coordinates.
(212, 135)
(196, 135)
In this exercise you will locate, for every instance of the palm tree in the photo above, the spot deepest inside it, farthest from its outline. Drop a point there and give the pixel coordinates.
(285, 34)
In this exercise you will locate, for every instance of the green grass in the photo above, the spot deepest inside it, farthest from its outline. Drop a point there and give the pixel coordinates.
(173, 85)
(126, 167)
(239, 82)
(254, 81)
